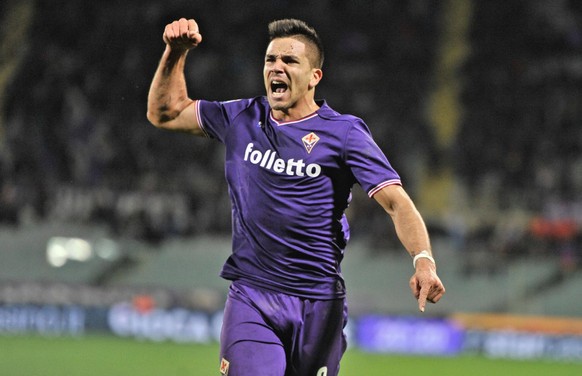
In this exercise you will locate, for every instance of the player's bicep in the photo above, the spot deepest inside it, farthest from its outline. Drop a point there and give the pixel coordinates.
(186, 121)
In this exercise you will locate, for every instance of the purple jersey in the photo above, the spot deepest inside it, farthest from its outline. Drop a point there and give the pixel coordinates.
(290, 183)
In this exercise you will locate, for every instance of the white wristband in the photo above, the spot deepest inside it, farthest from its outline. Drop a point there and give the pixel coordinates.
(422, 254)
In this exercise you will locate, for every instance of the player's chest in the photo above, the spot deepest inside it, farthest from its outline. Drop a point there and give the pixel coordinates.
(271, 146)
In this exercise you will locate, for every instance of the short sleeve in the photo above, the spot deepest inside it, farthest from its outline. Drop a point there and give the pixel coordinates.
(216, 117)
(367, 161)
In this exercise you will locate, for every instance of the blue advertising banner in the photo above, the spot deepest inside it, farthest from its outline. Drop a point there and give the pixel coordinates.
(409, 335)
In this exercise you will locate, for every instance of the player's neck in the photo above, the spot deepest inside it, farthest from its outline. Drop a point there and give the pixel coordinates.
(296, 112)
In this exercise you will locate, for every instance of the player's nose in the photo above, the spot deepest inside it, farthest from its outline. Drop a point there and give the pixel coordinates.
(278, 66)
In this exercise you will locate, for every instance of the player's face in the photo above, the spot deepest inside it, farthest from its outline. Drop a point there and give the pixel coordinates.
(289, 76)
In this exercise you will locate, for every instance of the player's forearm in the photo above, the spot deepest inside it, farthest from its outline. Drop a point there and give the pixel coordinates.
(411, 229)
(168, 95)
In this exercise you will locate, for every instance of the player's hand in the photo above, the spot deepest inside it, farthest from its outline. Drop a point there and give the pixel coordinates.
(425, 284)
(182, 35)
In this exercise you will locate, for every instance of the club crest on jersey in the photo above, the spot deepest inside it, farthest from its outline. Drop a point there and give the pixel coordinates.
(224, 366)
(309, 141)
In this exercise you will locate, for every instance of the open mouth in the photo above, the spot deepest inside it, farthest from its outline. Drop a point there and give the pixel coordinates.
(278, 87)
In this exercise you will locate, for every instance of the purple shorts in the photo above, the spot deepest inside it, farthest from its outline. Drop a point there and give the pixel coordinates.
(268, 333)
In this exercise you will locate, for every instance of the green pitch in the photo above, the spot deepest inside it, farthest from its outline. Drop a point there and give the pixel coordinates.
(100, 356)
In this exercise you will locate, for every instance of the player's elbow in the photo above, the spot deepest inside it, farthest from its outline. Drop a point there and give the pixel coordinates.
(158, 118)
(154, 119)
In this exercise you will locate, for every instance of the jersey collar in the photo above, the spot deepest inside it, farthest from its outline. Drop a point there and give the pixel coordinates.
(323, 109)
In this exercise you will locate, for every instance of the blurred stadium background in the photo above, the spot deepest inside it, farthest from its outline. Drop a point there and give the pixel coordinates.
(109, 226)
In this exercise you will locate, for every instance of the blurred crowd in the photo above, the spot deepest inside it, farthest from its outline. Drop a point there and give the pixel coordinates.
(75, 144)
(520, 144)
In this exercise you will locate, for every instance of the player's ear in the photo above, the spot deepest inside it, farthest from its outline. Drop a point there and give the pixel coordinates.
(316, 76)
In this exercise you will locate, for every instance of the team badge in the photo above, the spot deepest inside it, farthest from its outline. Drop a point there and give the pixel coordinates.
(309, 141)
(224, 365)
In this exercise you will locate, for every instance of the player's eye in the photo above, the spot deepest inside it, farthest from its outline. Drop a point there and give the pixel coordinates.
(291, 60)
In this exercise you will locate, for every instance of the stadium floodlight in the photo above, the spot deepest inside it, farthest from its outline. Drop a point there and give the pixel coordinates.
(61, 249)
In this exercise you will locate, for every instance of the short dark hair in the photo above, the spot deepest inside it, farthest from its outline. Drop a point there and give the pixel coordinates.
(291, 27)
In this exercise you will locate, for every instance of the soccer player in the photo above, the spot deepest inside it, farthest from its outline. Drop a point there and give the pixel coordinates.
(291, 162)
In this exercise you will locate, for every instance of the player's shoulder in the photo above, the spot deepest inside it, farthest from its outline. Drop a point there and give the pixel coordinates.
(236, 107)
(242, 103)
(347, 122)
(328, 113)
